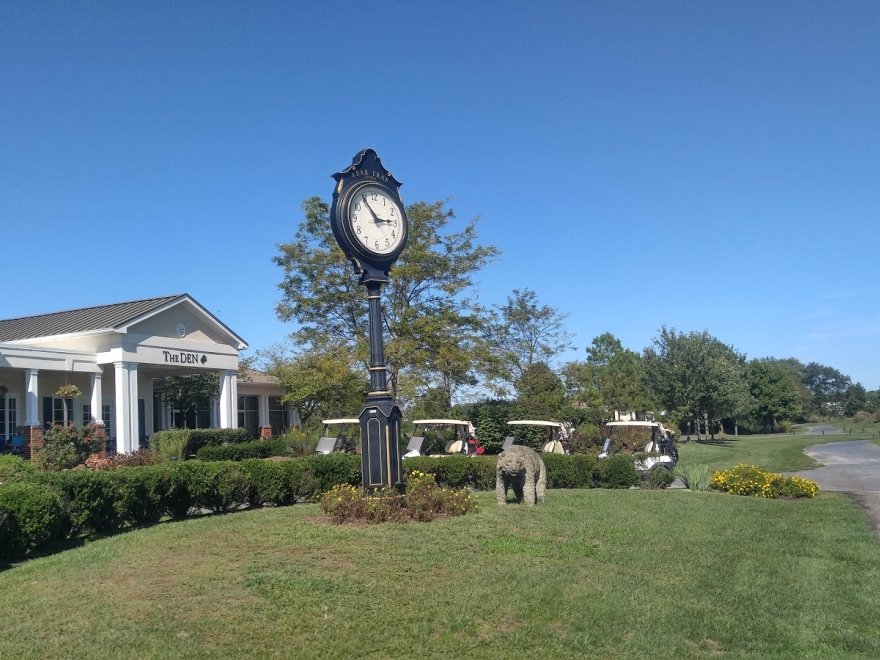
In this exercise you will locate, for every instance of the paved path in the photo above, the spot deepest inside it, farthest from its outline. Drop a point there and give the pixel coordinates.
(824, 429)
(852, 468)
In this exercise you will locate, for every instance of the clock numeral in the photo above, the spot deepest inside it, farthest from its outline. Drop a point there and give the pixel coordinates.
(392, 210)
(358, 229)
(377, 244)
(393, 234)
(354, 216)
(374, 197)
(357, 206)
(387, 243)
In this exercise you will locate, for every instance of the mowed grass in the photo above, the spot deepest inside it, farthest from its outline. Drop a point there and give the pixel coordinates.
(593, 573)
(780, 452)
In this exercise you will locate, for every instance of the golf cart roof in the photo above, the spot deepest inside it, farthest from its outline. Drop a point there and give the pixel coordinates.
(456, 422)
(634, 423)
(534, 422)
(342, 420)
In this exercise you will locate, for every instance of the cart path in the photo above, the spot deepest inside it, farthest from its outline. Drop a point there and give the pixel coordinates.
(852, 468)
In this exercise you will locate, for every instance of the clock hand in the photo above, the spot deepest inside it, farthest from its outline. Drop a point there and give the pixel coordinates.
(376, 218)
(372, 213)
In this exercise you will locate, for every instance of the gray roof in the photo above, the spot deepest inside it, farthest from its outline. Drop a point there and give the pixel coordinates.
(88, 319)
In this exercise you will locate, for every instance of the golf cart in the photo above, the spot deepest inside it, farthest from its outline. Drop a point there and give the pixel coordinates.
(455, 436)
(660, 444)
(341, 435)
(557, 439)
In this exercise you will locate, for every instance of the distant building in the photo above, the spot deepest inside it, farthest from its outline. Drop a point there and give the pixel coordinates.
(113, 354)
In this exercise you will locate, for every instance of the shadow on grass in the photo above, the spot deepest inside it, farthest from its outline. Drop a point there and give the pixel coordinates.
(712, 443)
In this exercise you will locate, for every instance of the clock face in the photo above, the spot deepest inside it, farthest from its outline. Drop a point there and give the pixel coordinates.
(376, 220)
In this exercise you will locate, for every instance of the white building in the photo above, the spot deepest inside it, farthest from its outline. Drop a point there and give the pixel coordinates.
(113, 353)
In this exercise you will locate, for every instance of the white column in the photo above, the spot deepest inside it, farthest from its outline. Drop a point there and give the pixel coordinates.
(126, 407)
(96, 401)
(228, 400)
(32, 398)
(263, 406)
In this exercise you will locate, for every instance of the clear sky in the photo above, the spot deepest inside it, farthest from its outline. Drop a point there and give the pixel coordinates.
(704, 165)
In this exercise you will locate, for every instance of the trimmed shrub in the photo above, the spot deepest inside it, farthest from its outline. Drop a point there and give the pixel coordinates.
(217, 487)
(139, 494)
(658, 477)
(65, 447)
(35, 510)
(617, 471)
(13, 468)
(584, 470)
(245, 450)
(10, 537)
(268, 482)
(87, 498)
(332, 469)
(456, 471)
(478, 472)
(181, 444)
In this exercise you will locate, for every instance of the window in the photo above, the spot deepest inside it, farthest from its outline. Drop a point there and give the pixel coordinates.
(105, 415)
(249, 414)
(54, 409)
(8, 418)
(278, 415)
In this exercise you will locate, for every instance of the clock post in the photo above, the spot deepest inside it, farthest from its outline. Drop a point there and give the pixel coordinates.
(369, 223)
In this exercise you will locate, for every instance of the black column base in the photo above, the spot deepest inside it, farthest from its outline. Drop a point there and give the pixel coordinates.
(381, 464)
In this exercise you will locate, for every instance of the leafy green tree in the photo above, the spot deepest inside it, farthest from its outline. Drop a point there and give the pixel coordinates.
(522, 332)
(796, 371)
(540, 393)
(188, 393)
(320, 382)
(619, 375)
(431, 316)
(872, 401)
(855, 399)
(696, 377)
(490, 417)
(828, 387)
(774, 392)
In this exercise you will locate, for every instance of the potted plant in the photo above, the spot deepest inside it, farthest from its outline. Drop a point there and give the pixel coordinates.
(67, 392)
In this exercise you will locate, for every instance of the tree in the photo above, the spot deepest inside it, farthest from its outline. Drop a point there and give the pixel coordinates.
(540, 393)
(321, 381)
(775, 396)
(431, 315)
(855, 399)
(696, 377)
(619, 375)
(828, 387)
(187, 394)
(522, 332)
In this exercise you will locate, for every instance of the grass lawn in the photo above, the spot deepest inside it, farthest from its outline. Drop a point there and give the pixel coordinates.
(779, 452)
(594, 573)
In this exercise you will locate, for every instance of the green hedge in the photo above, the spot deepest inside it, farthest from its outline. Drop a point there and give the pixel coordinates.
(576, 471)
(31, 517)
(14, 467)
(39, 508)
(181, 444)
(245, 450)
(456, 471)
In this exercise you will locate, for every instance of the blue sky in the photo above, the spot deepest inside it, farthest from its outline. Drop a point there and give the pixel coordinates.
(704, 165)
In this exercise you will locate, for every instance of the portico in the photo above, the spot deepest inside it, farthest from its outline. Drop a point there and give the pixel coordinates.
(113, 354)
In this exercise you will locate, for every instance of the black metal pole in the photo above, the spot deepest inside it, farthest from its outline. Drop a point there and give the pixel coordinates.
(381, 465)
(378, 369)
